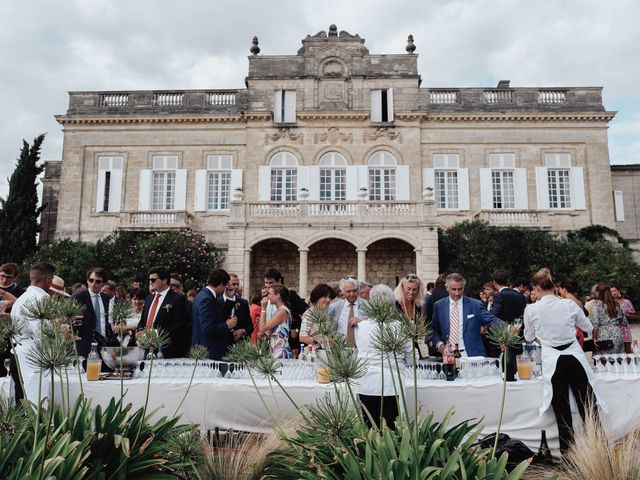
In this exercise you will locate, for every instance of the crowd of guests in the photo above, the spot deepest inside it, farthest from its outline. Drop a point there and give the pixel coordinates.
(217, 316)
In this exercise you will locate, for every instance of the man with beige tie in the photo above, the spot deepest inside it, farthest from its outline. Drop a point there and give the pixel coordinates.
(457, 320)
(346, 312)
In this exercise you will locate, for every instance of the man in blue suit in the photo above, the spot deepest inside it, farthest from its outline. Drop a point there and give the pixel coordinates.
(209, 325)
(463, 315)
(508, 304)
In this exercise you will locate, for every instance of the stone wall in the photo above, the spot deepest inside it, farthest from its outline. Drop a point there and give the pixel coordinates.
(388, 259)
(330, 260)
(274, 253)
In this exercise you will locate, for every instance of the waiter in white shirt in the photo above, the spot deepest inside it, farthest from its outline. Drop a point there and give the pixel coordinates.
(564, 366)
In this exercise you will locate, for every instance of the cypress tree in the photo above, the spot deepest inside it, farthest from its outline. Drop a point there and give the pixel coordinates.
(19, 211)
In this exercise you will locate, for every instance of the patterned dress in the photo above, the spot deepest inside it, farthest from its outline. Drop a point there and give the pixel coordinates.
(279, 341)
(627, 308)
(609, 328)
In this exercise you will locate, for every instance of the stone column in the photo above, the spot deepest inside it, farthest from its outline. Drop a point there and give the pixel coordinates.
(246, 267)
(362, 264)
(304, 252)
(419, 269)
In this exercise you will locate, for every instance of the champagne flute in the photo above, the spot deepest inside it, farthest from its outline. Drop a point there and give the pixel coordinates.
(7, 366)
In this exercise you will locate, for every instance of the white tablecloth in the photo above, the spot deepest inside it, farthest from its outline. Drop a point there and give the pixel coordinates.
(230, 403)
(6, 389)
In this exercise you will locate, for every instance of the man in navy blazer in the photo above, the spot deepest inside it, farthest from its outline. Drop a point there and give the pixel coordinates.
(508, 304)
(92, 322)
(210, 328)
(167, 310)
(471, 316)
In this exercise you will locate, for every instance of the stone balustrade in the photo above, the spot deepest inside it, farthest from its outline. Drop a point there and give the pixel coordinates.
(357, 210)
(168, 99)
(443, 97)
(552, 96)
(498, 96)
(153, 220)
(515, 218)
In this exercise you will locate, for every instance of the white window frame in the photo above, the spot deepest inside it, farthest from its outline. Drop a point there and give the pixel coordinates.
(284, 106)
(382, 105)
(446, 181)
(332, 177)
(559, 181)
(164, 182)
(503, 179)
(283, 176)
(382, 176)
(219, 168)
(109, 188)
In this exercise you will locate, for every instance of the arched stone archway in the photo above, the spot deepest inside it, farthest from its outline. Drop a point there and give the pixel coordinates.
(388, 259)
(331, 259)
(274, 253)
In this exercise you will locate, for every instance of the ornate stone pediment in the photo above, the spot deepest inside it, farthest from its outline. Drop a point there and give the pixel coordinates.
(284, 134)
(333, 135)
(382, 133)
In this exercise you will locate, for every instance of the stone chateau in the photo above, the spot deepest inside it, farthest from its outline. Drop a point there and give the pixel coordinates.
(333, 160)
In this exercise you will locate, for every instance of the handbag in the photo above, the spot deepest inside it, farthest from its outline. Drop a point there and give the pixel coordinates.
(603, 345)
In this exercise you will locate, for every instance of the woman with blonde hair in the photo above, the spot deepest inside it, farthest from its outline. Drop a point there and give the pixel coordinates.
(409, 294)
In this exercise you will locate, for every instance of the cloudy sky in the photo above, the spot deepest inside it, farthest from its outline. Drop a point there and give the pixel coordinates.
(48, 48)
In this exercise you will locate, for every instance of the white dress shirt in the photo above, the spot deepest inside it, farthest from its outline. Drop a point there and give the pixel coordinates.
(160, 301)
(343, 320)
(460, 339)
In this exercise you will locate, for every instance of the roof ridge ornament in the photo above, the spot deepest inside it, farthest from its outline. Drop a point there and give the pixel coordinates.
(410, 48)
(255, 49)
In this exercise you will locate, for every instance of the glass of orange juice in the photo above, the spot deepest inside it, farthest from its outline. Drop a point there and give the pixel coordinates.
(525, 369)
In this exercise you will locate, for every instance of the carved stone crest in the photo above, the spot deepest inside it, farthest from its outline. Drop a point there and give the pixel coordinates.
(333, 135)
(382, 133)
(284, 134)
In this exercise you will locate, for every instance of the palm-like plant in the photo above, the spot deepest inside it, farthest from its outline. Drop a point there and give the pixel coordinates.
(119, 314)
(197, 353)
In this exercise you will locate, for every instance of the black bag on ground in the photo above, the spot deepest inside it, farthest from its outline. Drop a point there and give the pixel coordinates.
(516, 449)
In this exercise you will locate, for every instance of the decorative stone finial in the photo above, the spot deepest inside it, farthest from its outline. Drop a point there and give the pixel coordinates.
(333, 30)
(410, 48)
(255, 49)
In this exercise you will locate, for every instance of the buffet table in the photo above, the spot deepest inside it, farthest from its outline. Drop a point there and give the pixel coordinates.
(235, 403)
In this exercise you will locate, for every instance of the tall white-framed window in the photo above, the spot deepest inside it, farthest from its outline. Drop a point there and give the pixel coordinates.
(109, 191)
(164, 186)
(164, 182)
(382, 105)
(382, 176)
(279, 180)
(503, 186)
(449, 182)
(559, 185)
(219, 181)
(284, 106)
(333, 177)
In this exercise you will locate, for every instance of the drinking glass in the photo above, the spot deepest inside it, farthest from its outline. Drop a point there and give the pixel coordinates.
(7, 366)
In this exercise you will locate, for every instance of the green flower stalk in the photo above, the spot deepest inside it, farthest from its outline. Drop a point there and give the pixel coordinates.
(380, 311)
(68, 309)
(196, 353)
(323, 322)
(506, 338)
(188, 449)
(118, 315)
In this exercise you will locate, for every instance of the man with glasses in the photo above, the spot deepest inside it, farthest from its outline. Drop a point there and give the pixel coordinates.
(167, 310)
(95, 319)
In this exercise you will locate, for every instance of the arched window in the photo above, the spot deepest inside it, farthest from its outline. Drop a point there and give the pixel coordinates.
(284, 177)
(382, 176)
(333, 177)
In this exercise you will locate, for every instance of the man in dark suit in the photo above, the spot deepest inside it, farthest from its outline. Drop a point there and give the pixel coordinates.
(234, 305)
(210, 328)
(95, 319)
(457, 319)
(508, 304)
(166, 310)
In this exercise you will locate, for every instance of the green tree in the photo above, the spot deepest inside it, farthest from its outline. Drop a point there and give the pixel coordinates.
(19, 211)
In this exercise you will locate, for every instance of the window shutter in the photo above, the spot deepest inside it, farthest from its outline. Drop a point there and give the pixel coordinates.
(463, 189)
(486, 189)
(277, 107)
(314, 182)
(429, 181)
(403, 183)
(236, 180)
(100, 191)
(542, 188)
(376, 105)
(576, 177)
(363, 177)
(520, 189)
(290, 106)
(180, 200)
(352, 182)
(618, 202)
(115, 190)
(201, 193)
(144, 190)
(390, 104)
(264, 184)
(303, 178)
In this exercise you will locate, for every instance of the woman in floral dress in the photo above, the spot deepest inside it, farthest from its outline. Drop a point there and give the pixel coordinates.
(278, 325)
(607, 318)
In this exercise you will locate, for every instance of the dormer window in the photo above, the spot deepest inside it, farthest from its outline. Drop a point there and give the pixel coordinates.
(284, 110)
(382, 105)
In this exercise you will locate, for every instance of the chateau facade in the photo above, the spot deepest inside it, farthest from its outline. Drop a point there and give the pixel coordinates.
(334, 160)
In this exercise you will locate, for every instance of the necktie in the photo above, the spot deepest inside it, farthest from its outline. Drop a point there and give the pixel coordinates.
(96, 309)
(454, 331)
(351, 333)
(152, 312)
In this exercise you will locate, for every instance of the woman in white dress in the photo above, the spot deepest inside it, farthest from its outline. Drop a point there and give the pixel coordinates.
(553, 322)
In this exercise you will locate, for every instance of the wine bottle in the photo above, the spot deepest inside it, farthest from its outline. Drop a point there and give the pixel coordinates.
(544, 453)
